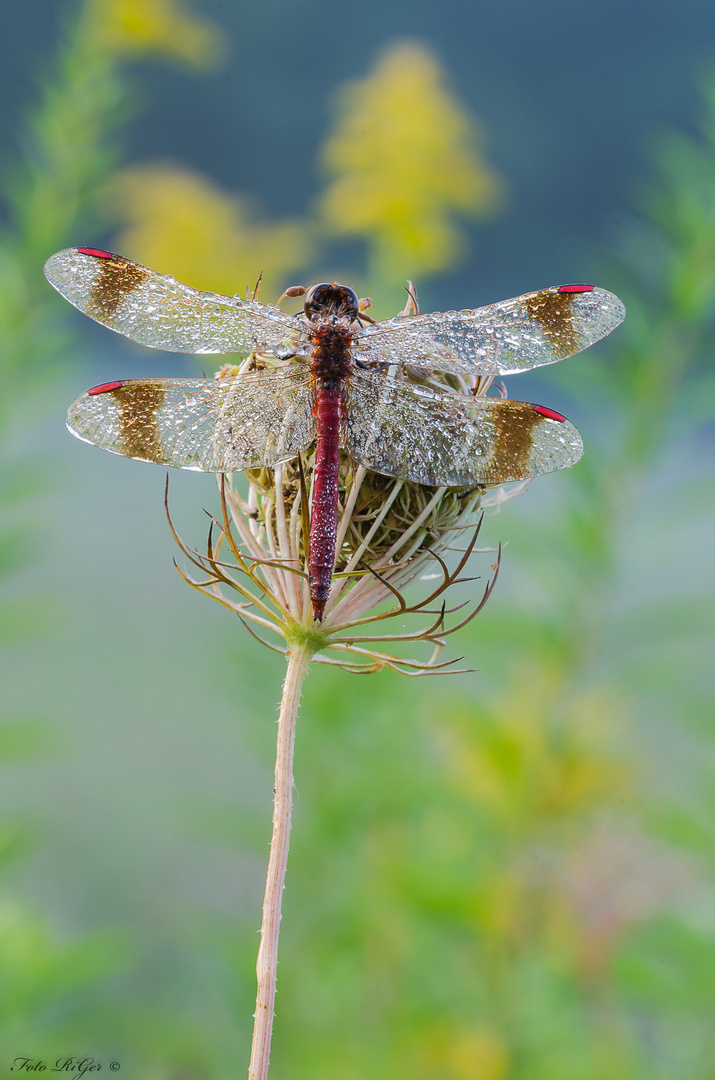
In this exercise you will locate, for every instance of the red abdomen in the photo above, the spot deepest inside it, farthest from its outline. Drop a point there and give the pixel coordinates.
(330, 365)
(324, 518)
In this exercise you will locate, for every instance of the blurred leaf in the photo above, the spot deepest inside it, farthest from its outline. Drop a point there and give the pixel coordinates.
(18, 548)
(671, 965)
(22, 619)
(16, 839)
(219, 824)
(24, 739)
(38, 972)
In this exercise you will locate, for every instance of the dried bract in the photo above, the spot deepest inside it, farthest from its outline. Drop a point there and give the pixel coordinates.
(391, 533)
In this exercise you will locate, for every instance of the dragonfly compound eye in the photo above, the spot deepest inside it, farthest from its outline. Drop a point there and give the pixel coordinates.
(325, 299)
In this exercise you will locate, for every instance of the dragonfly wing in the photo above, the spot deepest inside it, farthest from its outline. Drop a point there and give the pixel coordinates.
(156, 310)
(513, 335)
(209, 425)
(402, 430)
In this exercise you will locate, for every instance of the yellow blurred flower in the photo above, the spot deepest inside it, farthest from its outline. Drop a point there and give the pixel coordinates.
(477, 1055)
(536, 759)
(179, 222)
(166, 27)
(405, 159)
(448, 1053)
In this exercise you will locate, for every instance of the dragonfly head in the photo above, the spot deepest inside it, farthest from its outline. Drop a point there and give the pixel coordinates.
(325, 300)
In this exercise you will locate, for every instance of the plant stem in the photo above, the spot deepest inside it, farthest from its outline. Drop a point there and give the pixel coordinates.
(298, 660)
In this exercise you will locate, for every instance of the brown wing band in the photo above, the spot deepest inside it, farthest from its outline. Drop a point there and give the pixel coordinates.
(116, 278)
(512, 447)
(138, 418)
(553, 311)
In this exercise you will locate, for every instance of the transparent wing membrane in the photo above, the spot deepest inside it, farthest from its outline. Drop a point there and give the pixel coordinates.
(513, 335)
(389, 425)
(447, 439)
(156, 310)
(210, 425)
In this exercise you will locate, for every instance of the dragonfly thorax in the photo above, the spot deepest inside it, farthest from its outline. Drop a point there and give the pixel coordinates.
(331, 358)
(331, 301)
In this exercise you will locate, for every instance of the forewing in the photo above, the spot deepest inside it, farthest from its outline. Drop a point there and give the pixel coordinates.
(209, 425)
(513, 335)
(156, 310)
(449, 439)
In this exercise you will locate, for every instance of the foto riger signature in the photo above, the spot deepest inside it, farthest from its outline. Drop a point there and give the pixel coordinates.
(77, 1066)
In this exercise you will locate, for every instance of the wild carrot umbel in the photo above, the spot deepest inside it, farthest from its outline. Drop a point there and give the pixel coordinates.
(391, 534)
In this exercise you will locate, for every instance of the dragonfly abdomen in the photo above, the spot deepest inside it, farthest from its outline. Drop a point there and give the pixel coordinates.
(330, 365)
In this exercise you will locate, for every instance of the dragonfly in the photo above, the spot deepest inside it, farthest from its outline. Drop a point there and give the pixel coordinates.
(340, 381)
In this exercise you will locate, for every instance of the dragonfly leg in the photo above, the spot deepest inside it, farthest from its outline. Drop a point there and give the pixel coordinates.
(370, 367)
(363, 305)
(293, 292)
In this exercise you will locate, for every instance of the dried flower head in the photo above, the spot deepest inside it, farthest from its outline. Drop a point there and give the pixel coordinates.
(391, 533)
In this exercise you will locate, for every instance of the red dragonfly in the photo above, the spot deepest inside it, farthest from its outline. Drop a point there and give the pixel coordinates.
(329, 384)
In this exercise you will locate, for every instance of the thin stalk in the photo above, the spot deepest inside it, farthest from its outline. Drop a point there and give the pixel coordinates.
(290, 583)
(266, 968)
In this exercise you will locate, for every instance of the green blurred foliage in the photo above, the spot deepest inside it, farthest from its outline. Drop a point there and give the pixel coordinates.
(489, 879)
(43, 982)
(47, 985)
(50, 191)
